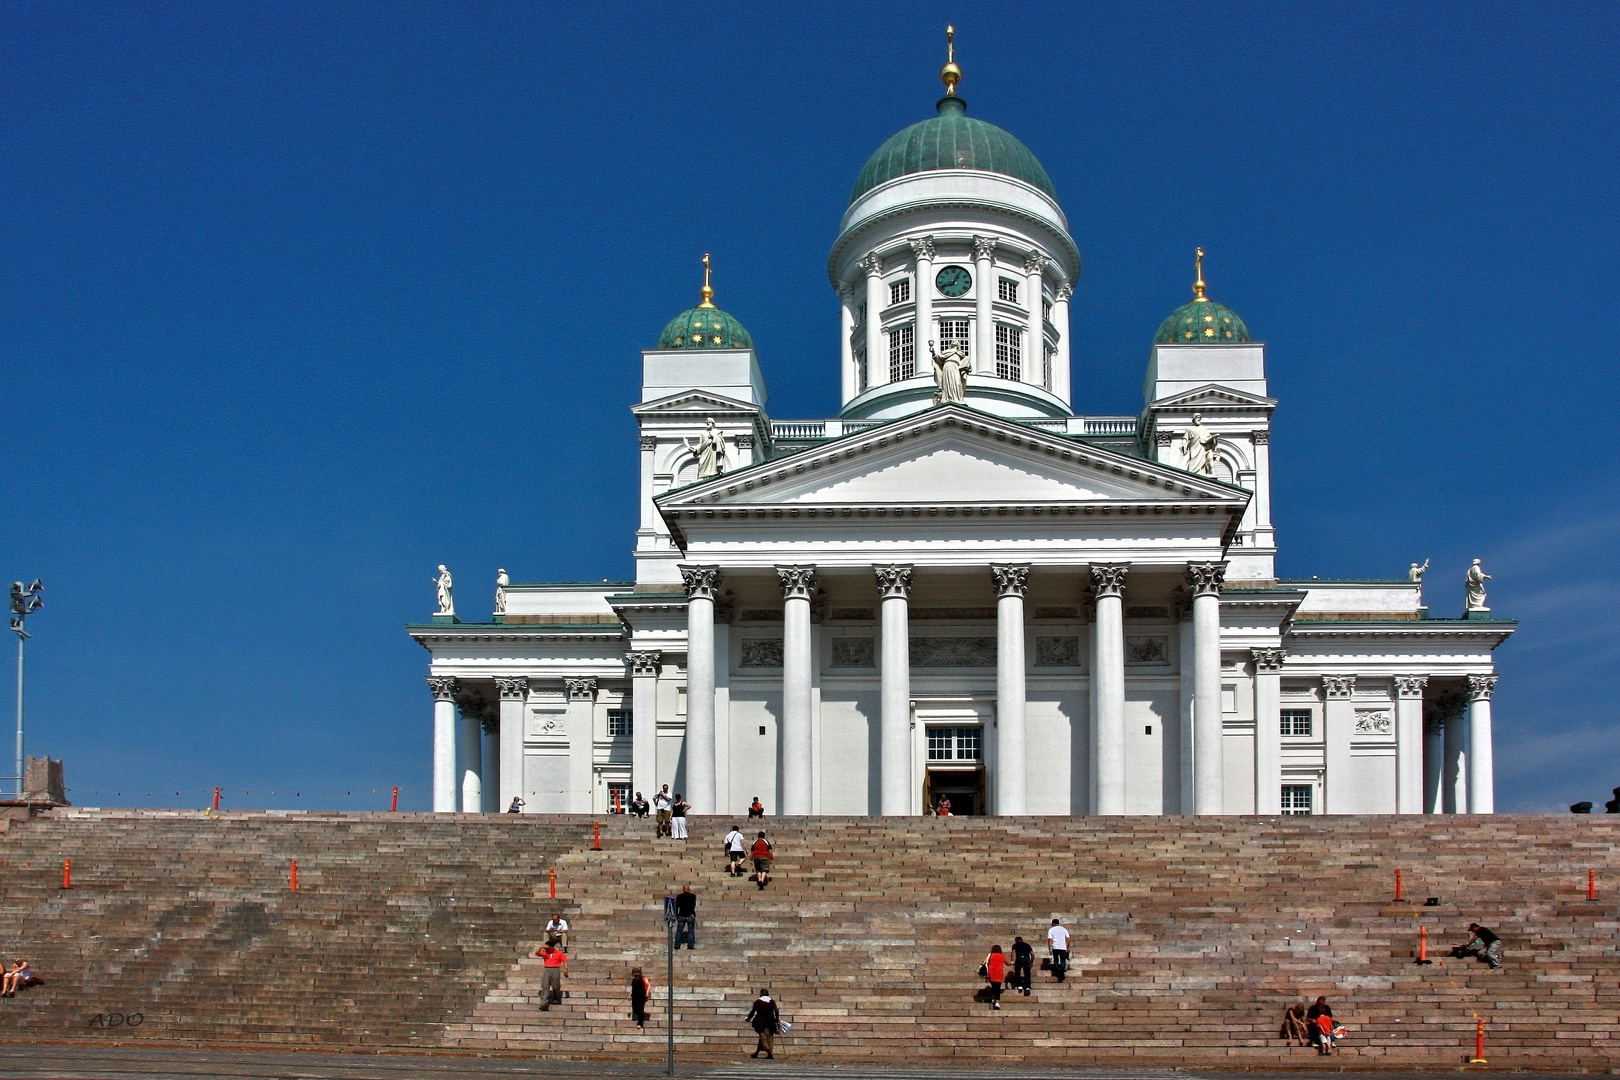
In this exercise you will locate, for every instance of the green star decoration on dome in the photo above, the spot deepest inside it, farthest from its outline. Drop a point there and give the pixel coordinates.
(1202, 321)
(705, 326)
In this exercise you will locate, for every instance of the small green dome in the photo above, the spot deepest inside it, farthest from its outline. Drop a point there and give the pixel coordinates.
(951, 141)
(704, 327)
(1202, 322)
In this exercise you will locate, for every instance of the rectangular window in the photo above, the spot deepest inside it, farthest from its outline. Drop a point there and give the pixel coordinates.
(902, 353)
(1008, 290)
(1046, 310)
(900, 291)
(1296, 723)
(953, 332)
(621, 723)
(1009, 353)
(953, 744)
(618, 798)
(1296, 800)
(1046, 368)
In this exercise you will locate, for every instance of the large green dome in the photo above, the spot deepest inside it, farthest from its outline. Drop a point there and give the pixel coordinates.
(1202, 322)
(704, 327)
(951, 140)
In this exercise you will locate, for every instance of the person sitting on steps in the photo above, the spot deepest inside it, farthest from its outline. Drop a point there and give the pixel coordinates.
(1484, 944)
(638, 806)
(756, 809)
(1293, 1025)
(19, 976)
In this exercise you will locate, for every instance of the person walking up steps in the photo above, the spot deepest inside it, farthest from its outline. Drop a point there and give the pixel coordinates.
(1058, 939)
(764, 1018)
(762, 853)
(995, 970)
(736, 845)
(1023, 965)
(686, 918)
(640, 992)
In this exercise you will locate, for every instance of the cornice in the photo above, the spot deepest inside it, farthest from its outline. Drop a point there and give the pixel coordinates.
(428, 635)
(1441, 629)
(853, 237)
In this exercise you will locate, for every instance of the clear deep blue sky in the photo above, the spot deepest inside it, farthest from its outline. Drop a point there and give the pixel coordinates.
(299, 300)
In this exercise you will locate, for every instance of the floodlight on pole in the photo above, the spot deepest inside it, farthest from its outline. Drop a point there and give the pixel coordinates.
(25, 600)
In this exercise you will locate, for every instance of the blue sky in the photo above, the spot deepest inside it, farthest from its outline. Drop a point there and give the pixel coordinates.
(299, 300)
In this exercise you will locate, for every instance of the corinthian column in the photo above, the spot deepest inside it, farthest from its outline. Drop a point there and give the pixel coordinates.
(702, 586)
(1209, 769)
(469, 762)
(1034, 300)
(1481, 769)
(984, 294)
(798, 582)
(894, 583)
(1012, 756)
(922, 249)
(444, 743)
(1108, 762)
(1409, 743)
(490, 774)
(877, 363)
(1060, 322)
(1338, 727)
(644, 720)
(514, 692)
(581, 695)
(1268, 664)
(1454, 771)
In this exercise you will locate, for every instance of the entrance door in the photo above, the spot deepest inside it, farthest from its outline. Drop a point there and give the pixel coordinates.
(965, 789)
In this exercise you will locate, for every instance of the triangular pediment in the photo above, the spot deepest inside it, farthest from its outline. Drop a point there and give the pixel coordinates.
(1214, 396)
(953, 456)
(695, 402)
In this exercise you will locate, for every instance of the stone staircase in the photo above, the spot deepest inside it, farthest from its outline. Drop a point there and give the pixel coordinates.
(1190, 935)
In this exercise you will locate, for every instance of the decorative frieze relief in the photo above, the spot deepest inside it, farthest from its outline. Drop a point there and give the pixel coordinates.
(762, 653)
(961, 614)
(1057, 613)
(549, 725)
(851, 614)
(443, 687)
(854, 652)
(1057, 652)
(1147, 611)
(1148, 649)
(953, 652)
(1374, 722)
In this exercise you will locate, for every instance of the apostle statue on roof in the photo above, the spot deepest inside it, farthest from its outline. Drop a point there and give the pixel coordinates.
(710, 451)
(1198, 443)
(951, 373)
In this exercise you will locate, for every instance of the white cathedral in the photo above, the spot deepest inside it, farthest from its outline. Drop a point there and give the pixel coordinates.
(960, 586)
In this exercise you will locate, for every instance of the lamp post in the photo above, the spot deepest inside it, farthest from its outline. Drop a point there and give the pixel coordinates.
(25, 600)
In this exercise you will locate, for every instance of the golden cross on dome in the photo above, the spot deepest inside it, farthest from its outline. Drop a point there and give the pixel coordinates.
(1198, 266)
(950, 74)
(708, 290)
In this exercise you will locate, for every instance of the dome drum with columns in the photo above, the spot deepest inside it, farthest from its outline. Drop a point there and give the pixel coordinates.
(963, 586)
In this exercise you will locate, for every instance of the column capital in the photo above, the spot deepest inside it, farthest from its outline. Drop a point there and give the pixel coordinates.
(1480, 687)
(583, 689)
(443, 686)
(1108, 579)
(644, 663)
(798, 582)
(1410, 686)
(1012, 579)
(702, 582)
(894, 580)
(923, 248)
(1268, 660)
(1034, 263)
(872, 263)
(1163, 436)
(514, 688)
(984, 247)
(1339, 686)
(1262, 437)
(1064, 291)
(1207, 578)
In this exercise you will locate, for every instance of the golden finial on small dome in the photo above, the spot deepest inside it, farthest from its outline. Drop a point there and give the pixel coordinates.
(950, 74)
(708, 290)
(1198, 286)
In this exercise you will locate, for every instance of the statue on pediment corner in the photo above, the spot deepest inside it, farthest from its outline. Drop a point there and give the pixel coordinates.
(446, 590)
(501, 582)
(1475, 582)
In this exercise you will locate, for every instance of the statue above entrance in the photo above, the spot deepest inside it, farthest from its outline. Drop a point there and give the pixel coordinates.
(950, 372)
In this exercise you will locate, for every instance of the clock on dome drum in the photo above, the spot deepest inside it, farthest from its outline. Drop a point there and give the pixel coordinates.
(953, 280)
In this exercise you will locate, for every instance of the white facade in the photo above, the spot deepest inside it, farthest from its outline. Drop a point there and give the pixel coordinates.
(1028, 609)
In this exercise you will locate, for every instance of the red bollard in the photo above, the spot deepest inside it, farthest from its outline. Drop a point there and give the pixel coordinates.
(596, 836)
(1400, 890)
(616, 809)
(216, 800)
(294, 881)
(553, 882)
(393, 804)
(1591, 884)
(1423, 946)
(67, 873)
(1479, 1044)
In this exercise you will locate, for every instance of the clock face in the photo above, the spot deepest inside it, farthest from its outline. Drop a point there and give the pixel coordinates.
(953, 280)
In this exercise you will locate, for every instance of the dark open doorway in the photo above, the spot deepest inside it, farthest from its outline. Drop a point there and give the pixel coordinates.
(964, 787)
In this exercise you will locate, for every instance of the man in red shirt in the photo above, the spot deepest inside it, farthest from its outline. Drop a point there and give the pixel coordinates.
(556, 962)
(761, 853)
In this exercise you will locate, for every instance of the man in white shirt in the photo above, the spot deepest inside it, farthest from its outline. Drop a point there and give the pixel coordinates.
(736, 850)
(662, 805)
(1058, 939)
(557, 931)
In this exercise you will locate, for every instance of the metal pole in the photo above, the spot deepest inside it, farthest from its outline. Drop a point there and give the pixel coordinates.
(670, 999)
(20, 639)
